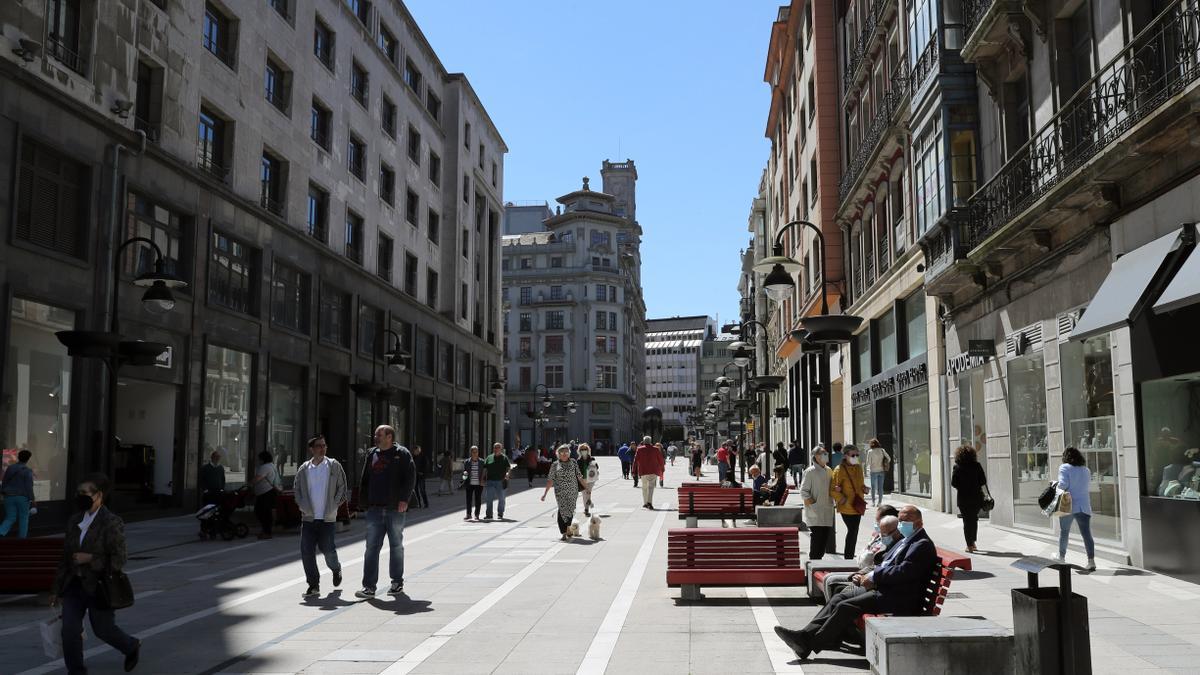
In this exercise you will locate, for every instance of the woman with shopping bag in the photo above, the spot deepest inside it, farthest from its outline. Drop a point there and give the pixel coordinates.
(89, 579)
(1075, 504)
(970, 481)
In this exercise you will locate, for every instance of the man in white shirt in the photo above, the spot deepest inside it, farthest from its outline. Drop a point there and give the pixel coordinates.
(320, 489)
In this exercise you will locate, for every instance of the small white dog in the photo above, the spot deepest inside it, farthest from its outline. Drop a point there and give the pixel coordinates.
(573, 530)
(594, 528)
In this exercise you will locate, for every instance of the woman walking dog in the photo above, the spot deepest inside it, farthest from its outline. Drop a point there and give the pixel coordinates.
(566, 480)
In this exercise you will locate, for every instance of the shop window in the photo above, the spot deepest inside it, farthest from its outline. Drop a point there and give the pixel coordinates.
(163, 226)
(972, 420)
(227, 392)
(1171, 436)
(914, 325)
(913, 467)
(364, 427)
(1027, 412)
(864, 426)
(37, 388)
(1089, 412)
(286, 435)
(446, 362)
(370, 323)
(886, 327)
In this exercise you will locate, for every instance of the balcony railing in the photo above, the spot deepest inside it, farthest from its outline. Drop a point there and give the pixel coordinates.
(269, 200)
(212, 166)
(1158, 64)
(926, 64)
(885, 258)
(878, 130)
(149, 128)
(973, 12)
(66, 54)
(861, 48)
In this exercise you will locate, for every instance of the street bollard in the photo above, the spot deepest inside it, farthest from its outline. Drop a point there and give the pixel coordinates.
(1050, 625)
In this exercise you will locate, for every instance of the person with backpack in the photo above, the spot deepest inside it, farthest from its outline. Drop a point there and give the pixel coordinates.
(267, 486)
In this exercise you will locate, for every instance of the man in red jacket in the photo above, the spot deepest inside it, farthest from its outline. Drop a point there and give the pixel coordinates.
(648, 464)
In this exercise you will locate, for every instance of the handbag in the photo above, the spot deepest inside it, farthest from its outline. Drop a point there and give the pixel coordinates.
(113, 590)
(1047, 495)
(988, 502)
(1064, 504)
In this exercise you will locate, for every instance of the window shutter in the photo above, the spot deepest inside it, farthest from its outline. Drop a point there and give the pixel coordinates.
(49, 204)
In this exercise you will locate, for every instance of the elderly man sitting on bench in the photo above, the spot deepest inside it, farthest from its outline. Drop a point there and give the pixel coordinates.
(887, 522)
(895, 586)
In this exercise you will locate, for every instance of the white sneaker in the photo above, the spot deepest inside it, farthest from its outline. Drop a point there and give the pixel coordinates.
(1059, 558)
(1091, 565)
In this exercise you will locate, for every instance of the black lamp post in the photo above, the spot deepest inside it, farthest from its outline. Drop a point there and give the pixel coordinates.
(158, 299)
(546, 402)
(825, 329)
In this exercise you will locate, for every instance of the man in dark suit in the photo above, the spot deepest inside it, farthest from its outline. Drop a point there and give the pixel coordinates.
(896, 586)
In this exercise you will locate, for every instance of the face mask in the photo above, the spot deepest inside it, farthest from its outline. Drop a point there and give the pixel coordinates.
(83, 502)
(821, 459)
(887, 542)
(852, 460)
(876, 528)
(907, 529)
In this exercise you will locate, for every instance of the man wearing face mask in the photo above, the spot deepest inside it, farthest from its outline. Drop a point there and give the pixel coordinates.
(895, 586)
(886, 534)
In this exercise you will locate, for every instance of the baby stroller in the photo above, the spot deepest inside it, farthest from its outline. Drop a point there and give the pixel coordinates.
(216, 517)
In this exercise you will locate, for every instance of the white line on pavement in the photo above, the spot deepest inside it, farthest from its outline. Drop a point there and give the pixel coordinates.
(176, 561)
(781, 656)
(595, 661)
(423, 651)
(31, 624)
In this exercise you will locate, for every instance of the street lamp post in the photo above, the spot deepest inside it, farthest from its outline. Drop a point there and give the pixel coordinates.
(547, 401)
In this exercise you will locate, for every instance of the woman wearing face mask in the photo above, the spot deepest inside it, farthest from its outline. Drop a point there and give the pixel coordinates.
(849, 491)
(94, 547)
(590, 470)
(815, 490)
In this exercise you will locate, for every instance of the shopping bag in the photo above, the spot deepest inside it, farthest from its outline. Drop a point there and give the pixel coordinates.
(1064, 504)
(1051, 508)
(51, 630)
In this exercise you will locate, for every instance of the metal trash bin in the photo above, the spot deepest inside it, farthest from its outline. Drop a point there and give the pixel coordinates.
(1050, 625)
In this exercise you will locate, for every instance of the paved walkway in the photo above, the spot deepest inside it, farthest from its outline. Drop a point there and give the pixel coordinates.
(509, 597)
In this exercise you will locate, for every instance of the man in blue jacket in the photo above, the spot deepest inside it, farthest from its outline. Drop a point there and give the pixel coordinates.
(17, 488)
(386, 485)
(626, 457)
(896, 586)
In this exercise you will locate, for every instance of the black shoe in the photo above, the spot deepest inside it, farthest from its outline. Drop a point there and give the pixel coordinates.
(131, 659)
(794, 640)
(396, 588)
(337, 578)
(312, 592)
(365, 593)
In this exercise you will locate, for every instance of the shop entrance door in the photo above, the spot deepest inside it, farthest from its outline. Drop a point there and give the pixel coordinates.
(885, 431)
(331, 421)
(143, 470)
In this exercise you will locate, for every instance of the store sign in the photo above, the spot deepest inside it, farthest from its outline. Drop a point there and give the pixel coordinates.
(964, 362)
(983, 348)
(890, 385)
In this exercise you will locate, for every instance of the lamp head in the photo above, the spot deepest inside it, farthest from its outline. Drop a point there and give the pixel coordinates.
(158, 299)
(741, 357)
(779, 284)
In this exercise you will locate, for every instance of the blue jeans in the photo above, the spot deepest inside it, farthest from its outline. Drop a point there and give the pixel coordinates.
(492, 491)
(16, 510)
(317, 535)
(797, 472)
(722, 469)
(391, 522)
(1085, 530)
(877, 478)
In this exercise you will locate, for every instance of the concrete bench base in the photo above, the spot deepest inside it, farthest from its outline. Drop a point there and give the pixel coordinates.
(938, 644)
(780, 516)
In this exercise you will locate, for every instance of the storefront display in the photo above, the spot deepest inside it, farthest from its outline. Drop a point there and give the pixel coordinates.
(915, 456)
(1031, 458)
(864, 427)
(37, 395)
(1089, 413)
(286, 437)
(972, 420)
(1171, 437)
(228, 377)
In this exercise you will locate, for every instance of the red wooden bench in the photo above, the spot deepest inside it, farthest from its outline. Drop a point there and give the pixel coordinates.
(937, 588)
(755, 556)
(29, 565)
(715, 502)
(819, 570)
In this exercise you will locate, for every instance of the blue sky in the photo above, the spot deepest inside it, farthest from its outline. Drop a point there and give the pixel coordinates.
(675, 86)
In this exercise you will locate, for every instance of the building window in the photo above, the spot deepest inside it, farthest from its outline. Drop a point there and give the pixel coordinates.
(526, 322)
(606, 344)
(554, 320)
(414, 145)
(495, 174)
(481, 154)
(64, 40)
(356, 157)
(466, 191)
(556, 292)
(359, 83)
(412, 77)
(928, 178)
(383, 257)
(914, 325)
(335, 317)
(913, 467)
(228, 383)
(1089, 410)
(463, 302)
(218, 34)
(1030, 435)
(370, 324)
(319, 127)
(361, 10)
(862, 357)
(525, 379)
(37, 393)
(233, 275)
(211, 142)
(466, 243)
(412, 208)
(281, 8)
(556, 262)
(323, 43)
(271, 183)
(387, 116)
(554, 344)
(423, 354)
(434, 105)
(164, 227)
(554, 377)
(524, 347)
(526, 295)
(289, 298)
(387, 184)
(431, 289)
(962, 166)
(435, 169)
(885, 330)
(435, 223)
(410, 274)
(606, 377)
(389, 45)
(276, 85)
(354, 236)
(52, 196)
(147, 105)
(601, 293)
(318, 213)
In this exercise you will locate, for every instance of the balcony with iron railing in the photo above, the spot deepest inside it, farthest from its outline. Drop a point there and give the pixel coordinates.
(874, 26)
(1086, 143)
(213, 166)
(887, 119)
(147, 127)
(269, 199)
(984, 27)
(927, 64)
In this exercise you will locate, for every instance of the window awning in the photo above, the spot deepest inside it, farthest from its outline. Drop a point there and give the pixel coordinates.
(1184, 289)
(1124, 290)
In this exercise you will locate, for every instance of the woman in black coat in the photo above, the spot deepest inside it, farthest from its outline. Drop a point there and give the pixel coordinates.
(968, 478)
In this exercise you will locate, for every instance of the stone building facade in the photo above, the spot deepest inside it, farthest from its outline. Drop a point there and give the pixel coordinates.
(575, 320)
(673, 375)
(315, 175)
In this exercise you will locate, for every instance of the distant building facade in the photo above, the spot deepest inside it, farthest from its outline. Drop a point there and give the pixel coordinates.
(673, 348)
